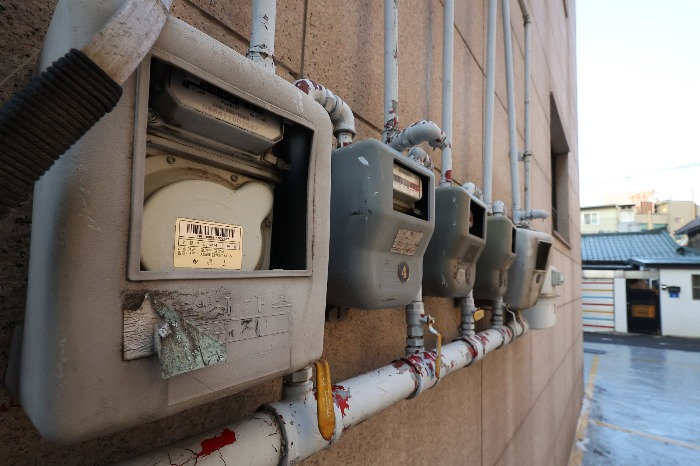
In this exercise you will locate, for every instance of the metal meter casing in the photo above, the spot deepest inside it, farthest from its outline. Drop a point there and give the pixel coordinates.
(492, 267)
(76, 379)
(526, 274)
(459, 238)
(376, 251)
(544, 313)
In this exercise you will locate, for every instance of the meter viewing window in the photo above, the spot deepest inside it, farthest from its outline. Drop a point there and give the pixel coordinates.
(215, 162)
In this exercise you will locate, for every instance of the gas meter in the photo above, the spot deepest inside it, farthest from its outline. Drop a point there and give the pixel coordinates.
(456, 244)
(382, 217)
(179, 249)
(526, 274)
(497, 257)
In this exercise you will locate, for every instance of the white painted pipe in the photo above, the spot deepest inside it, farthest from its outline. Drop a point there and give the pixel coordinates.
(341, 115)
(512, 125)
(489, 103)
(447, 89)
(419, 132)
(391, 70)
(262, 37)
(286, 432)
(254, 441)
(527, 151)
(528, 213)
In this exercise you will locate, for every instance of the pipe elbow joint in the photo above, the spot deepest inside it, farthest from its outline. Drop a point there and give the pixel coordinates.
(536, 214)
(419, 132)
(339, 112)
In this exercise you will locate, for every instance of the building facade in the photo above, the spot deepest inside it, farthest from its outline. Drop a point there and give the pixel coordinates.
(644, 215)
(520, 405)
(640, 282)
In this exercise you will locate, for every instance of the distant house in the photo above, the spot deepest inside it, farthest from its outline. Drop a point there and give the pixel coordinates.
(611, 218)
(692, 230)
(640, 282)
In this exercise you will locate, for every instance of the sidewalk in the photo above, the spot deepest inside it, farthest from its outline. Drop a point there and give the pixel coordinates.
(642, 402)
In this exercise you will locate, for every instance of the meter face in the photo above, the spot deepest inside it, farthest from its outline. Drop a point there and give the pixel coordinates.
(407, 187)
(408, 183)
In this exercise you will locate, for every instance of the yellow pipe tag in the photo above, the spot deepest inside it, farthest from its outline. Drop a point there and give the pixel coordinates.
(478, 314)
(324, 399)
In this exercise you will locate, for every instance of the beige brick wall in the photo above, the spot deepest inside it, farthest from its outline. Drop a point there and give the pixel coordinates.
(520, 405)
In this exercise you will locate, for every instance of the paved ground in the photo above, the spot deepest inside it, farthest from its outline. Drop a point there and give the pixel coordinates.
(642, 402)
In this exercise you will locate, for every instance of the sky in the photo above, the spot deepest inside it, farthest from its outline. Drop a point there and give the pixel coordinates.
(638, 98)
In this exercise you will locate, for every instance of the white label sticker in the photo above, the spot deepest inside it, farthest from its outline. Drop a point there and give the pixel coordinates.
(406, 242)
(207, 245)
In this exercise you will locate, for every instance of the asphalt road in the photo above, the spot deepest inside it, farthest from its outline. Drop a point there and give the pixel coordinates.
(641, 404)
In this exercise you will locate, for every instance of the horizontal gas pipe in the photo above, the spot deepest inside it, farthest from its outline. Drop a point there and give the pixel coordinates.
(286, 431)
(341, 115)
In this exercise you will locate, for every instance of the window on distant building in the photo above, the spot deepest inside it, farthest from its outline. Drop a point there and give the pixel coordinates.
(559, 150)
(591, 218)
(696, 287)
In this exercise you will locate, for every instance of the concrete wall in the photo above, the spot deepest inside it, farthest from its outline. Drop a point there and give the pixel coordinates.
(680, 317)
(520, 405)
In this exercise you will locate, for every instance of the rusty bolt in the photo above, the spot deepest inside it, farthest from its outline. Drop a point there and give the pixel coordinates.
(152, 116)
(234, 178)
(170, 159)
(267, 223)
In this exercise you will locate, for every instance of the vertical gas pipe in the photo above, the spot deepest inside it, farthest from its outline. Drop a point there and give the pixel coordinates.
(262, 36)
(447, 88)
(512, 128)
(391, 70)
(489, 104)
(527, 152)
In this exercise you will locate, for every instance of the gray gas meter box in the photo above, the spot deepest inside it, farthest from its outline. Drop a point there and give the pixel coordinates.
(493, 264)
(382, 217)
(179, 249)
(526, 274)
(459, 238)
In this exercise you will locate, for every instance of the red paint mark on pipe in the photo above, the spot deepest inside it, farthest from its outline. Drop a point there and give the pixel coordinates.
(341, 396)
(210, 445)
(400, 364)
(473, 351)
(305, 85)
(448, 173)
(414, 360)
